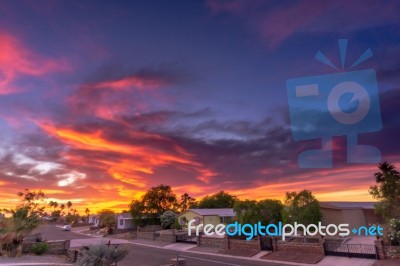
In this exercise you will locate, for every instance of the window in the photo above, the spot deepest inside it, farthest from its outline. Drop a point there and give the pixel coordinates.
(121, 222)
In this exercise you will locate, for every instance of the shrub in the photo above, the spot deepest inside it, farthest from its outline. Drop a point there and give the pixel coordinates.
(394, 232)
(394, 252)
(39, 248)
(168, 219)
(101, 255)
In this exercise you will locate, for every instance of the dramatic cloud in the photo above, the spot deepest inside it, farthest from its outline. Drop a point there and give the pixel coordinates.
(16, 60)
(193, 101)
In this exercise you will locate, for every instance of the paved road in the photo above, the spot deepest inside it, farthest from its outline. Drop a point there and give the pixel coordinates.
(149, 256)
(51, 232)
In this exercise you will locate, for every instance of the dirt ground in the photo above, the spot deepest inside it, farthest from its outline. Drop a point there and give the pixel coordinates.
(293, 257)
(389, 262)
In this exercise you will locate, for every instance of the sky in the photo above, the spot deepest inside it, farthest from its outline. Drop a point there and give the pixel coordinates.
(101, 100)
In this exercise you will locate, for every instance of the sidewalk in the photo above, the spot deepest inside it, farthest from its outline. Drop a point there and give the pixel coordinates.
(34, 260)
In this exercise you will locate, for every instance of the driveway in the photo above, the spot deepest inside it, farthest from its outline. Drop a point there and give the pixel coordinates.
(344, 261)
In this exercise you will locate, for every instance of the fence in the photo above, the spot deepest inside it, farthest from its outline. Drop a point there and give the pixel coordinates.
(351, 250)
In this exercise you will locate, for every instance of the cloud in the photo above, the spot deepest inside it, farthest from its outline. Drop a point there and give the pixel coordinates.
(16, 60)
(70, 178)
(277, 21)
(109, 95)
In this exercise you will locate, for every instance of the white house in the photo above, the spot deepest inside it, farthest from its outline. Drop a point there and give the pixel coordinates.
(94, 220)
(124, 221)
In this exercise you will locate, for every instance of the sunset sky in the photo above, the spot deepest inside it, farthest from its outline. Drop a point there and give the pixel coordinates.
(100, 100)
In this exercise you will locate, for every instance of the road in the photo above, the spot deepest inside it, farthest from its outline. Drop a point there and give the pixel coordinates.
(150, 256)
(52, 232)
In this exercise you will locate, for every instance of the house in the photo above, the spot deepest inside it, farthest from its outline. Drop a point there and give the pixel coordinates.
(94, 220)
(124, 221)
(355, 214)
(207, 216)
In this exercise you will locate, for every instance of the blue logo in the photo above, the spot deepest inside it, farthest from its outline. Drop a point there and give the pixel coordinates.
(339, 104)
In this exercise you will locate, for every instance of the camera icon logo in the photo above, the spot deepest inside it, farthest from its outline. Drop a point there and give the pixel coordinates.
(339, 104)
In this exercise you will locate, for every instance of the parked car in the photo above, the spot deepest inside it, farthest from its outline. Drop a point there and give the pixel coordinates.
(66, 227)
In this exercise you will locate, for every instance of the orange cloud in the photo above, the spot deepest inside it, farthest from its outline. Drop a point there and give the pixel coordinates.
(136, 160)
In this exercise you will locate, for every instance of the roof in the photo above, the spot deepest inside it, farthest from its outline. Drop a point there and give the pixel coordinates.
(347, 205)
(125, 215)
(226, 212)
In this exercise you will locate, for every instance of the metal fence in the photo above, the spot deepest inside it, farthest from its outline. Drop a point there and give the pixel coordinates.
(351, 250)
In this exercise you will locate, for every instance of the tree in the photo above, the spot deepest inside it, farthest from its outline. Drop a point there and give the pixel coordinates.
(24, 219)
(271, 211)
(153, 203)
(107, 219)
(137, 211)
(186, 202)
(302, 208)
(62, 207)
(247, 211)
(168, 219)
(55, 215)
(55, 205)
(217, 200)
(87, 212)
(69, 204)
(387, 191)
(264, 211)
(385, 170)
(159, 199)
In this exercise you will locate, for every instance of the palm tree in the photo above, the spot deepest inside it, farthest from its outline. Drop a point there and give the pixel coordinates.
(386, 169)
(69, 204)
(62, 207)
(55, 205)
(51, 204)
(87, 212)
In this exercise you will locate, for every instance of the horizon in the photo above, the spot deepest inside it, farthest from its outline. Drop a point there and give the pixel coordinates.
(100, 101)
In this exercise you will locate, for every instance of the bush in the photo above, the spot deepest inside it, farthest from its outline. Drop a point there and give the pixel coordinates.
(168, 219)
(39, 248)
(394, 232)
(394, 252)
(101, 255)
